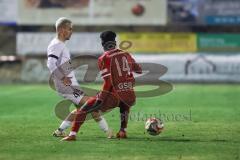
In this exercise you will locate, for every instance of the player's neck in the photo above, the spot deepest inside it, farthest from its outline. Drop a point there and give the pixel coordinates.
(60, 38)
(108, 50)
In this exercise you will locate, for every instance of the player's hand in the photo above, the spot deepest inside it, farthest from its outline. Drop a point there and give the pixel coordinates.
(67, 81)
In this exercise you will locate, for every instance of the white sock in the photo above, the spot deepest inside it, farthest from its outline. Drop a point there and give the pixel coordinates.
(103, 124)
(65, 125)
(72, 133)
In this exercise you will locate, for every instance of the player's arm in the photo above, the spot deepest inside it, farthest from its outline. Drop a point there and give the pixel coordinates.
(53, 56)
(105, 74)
(135, 66)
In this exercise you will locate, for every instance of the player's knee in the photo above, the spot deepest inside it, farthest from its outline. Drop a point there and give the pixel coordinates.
(96, 116)
(91, 101)
(123, 107)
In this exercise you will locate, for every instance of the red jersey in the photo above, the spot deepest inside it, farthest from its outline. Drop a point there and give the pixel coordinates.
(117, 67)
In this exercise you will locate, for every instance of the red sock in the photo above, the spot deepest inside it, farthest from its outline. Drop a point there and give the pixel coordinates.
(82, 114)
(79, 120)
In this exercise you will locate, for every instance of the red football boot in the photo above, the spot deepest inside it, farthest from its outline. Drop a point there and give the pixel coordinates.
(69, 138)
(121, 134)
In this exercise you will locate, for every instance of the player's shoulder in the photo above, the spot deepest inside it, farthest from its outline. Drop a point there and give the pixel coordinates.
(112, 53)
(120, 53)
(55, 44)
(124, 52)
(103, 56)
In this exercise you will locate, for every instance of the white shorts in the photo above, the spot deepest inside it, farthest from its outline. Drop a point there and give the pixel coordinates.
(72, 93)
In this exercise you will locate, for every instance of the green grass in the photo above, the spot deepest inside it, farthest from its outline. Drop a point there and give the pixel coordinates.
(201, 122)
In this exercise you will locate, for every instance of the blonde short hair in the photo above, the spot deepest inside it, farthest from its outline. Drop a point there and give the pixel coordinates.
(62, 21)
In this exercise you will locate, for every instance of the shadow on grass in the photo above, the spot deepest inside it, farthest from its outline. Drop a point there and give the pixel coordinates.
(164, 139)
(172, 139)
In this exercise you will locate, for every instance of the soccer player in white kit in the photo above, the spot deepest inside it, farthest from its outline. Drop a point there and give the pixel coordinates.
(59, 64)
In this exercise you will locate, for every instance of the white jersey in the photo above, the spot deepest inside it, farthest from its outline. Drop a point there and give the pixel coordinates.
(59, 64)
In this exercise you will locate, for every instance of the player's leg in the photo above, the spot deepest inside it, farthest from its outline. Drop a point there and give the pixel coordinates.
(91, 105)
(70, 118)
(104, 101)
(124, 114)
(67, 122)
(102, 124)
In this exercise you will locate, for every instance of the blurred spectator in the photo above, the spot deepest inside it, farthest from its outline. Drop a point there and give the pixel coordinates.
(185, 11)
(56, 3)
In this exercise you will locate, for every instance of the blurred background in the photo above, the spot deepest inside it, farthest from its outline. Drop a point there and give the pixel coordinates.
(197, 40)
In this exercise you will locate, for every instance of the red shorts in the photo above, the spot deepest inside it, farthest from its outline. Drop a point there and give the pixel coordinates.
(109, 101)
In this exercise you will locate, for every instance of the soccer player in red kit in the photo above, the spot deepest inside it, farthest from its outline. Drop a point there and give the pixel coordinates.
(116, 67)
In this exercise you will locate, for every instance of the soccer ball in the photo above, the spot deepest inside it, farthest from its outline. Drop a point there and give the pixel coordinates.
(138, 10)
(154, 126)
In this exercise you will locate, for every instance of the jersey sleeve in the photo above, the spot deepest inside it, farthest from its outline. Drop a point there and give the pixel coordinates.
(104, 68)
(54, 53)
(135, 66)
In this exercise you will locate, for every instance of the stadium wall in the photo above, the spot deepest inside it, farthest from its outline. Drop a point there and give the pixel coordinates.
(201, 68)
(202, 46)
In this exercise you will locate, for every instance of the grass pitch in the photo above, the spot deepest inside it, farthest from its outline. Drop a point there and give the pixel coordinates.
(201, 122)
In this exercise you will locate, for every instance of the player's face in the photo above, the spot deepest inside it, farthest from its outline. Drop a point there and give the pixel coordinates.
(67, 31)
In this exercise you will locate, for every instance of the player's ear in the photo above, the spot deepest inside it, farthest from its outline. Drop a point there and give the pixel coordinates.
(58, 30)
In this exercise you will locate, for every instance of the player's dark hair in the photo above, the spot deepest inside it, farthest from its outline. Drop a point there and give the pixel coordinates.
(108, 40)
